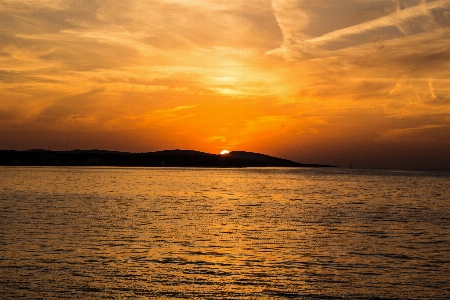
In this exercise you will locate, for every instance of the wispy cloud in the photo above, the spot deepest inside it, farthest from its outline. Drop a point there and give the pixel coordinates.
(301, 22)
(422, 134)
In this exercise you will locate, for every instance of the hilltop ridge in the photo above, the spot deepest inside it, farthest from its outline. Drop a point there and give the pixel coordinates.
(163, 158)
(264, 158)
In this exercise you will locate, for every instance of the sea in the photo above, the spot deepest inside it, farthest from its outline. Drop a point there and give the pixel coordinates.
(249, 233)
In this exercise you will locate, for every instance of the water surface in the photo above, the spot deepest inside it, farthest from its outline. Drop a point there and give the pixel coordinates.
(269, 233)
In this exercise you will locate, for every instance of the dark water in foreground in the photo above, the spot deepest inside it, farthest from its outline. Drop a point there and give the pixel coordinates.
(116, 233)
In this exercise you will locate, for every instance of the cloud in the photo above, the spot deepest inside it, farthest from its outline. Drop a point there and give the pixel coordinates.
(173, 111)
(15, 77)
(71, 40)
(412, 20)
(379, 55)
(80, 104)
(422, 134)
(307, 30)
(215, 138)
(171, 115)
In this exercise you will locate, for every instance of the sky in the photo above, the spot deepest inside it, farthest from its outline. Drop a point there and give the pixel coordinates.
(365, 82)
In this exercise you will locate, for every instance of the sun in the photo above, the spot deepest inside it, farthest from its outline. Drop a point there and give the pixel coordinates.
(224, 152)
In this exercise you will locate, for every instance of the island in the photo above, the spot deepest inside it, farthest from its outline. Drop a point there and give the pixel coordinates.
(164, 158)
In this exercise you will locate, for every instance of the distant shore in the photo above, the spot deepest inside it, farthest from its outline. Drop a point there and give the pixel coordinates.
(165, 158)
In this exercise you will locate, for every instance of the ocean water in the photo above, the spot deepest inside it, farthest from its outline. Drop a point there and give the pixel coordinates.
(269, 233)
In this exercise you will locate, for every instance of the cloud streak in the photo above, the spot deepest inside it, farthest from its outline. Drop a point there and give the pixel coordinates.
(299, 19)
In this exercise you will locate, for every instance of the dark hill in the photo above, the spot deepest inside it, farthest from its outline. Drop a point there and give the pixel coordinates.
(165, 158)
(270, 161)
(266, 159)
(180, 152)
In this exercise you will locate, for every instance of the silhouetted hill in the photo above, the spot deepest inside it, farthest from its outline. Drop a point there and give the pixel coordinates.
(165, 158)
(181, 152)
(266, 159)
(270, 161)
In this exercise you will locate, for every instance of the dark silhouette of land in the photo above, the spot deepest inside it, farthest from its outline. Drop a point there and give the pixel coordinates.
(165, 158)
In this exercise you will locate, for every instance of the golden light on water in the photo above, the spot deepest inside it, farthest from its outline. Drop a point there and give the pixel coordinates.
(216, 233)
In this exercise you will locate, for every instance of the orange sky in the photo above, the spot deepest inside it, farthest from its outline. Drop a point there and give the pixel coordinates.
(323, 81)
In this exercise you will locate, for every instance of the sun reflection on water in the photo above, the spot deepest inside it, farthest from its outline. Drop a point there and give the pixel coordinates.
(214, 233)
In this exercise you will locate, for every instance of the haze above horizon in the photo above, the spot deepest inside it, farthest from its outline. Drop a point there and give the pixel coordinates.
(327, 82)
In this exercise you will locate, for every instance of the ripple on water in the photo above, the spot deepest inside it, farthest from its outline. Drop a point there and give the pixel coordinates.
(95, 233)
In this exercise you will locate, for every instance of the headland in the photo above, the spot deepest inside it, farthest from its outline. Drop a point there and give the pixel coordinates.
(164, 158)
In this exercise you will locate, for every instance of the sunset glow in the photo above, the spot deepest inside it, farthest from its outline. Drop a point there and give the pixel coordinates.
(280, 77)
(224, 152)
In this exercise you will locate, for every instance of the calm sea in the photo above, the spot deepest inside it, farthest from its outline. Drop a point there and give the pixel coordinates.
(275, 233)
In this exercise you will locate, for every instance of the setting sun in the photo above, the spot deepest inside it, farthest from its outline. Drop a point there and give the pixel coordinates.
(224, 152)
